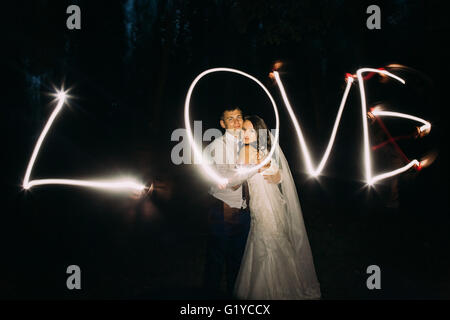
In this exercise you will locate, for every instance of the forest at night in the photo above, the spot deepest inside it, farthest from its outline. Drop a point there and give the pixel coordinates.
(127, 70)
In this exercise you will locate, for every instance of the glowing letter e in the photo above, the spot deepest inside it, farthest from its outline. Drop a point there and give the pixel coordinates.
(367, 159)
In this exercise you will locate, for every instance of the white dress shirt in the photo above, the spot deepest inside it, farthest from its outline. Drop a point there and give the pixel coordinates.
(223, 153)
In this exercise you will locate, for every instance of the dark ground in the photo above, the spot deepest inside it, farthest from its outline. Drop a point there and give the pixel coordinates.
(160, 254)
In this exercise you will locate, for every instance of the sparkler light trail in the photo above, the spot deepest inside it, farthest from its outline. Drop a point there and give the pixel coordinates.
(367, 160)
(210, 171)
(426, 127)
(110, 185)
(117, 185)
(390, 140)
(303, 145)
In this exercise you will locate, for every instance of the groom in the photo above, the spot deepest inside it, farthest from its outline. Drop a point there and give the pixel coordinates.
(228, 216)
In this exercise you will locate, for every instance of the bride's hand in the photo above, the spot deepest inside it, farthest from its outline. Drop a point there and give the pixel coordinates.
(259, 160)
(273, 178)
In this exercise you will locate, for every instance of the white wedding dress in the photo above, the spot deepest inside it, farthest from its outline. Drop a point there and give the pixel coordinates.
(277, 262)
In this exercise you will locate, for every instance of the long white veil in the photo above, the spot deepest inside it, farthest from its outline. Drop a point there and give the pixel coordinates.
(295, 229)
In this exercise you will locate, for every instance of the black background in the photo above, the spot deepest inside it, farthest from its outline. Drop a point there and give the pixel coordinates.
(128, 92)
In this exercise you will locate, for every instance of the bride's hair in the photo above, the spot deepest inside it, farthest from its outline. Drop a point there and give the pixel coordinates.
(263, 141)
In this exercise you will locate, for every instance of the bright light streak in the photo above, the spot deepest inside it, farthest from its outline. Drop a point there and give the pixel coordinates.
(303, 145)
(108, 185)
(376, 112)
(393, 173)
(209, 170)
(428, 159)
(61, 100)
(61, 95)
(367, 160)
(426, 125)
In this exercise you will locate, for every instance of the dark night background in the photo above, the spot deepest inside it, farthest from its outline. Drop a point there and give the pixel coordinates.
(129, 68)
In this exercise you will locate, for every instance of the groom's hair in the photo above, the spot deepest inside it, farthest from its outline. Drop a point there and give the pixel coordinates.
(228, 108)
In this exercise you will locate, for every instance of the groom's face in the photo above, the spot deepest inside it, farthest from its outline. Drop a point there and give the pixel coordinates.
(232, 121)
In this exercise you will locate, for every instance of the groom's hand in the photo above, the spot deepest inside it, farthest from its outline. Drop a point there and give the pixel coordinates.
(222, 186)
(139, 194)
(234, 188)
(273, 178)
(267, 166)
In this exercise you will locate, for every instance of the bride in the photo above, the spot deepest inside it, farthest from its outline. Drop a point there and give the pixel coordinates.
(277, 262)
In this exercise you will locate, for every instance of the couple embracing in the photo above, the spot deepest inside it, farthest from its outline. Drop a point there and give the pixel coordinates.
(256, 228)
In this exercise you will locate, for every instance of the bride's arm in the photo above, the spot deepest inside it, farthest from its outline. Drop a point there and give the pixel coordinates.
(273, 174)
(247, 156)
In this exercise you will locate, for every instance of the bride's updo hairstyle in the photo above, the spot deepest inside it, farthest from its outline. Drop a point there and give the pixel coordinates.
(263, 141)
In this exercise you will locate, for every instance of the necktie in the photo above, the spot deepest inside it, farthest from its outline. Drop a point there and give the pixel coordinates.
(254, 144)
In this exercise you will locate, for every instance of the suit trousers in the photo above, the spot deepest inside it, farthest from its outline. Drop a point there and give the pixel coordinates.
(228, 230)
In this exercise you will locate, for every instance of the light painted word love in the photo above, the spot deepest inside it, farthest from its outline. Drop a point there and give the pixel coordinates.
(313, 170)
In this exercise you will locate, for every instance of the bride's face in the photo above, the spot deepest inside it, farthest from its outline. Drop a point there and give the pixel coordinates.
(249, 132)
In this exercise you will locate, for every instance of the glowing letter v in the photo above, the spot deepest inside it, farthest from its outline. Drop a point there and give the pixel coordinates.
(303, 145)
